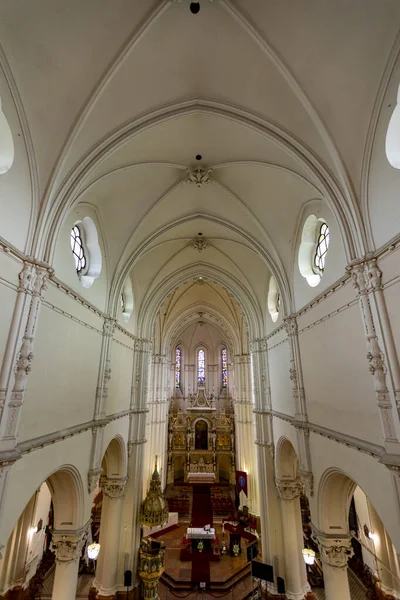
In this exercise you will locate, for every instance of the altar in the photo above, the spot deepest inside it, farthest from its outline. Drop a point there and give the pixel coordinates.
(195, 534)
(199, 533)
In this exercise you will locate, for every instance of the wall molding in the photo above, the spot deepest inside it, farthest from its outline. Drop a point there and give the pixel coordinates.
(28, 446)
(342, 438)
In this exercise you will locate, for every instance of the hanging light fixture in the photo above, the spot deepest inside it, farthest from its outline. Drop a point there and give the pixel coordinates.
(93, 551)
(308, 555)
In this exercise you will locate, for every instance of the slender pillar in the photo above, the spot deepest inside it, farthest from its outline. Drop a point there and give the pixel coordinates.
(245, 429)
(334, 553)
(110, 528)
(67, 546)
(382, 551)
(296, 575)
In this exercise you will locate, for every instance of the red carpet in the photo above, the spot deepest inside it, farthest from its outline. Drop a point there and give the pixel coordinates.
(200, 567)
(202, 513)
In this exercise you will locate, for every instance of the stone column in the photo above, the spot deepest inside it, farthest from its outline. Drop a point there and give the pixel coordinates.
(381, 549)
(67, 546)
(245, 429)
(300, 404)
(23, 366)
(296, 575)
(334, 553)
(376, 359)
(156, 425)
(107, 569)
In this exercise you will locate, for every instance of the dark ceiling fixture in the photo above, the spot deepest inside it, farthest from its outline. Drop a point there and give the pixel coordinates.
(198, 157)
(194, 7)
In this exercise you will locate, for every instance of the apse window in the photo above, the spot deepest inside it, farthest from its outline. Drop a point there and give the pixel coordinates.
(392, 143)
(86, 251)
(313, 249)
(274, 299)
(77, 249)
(224, 363)
(178, 356)
(201, 366)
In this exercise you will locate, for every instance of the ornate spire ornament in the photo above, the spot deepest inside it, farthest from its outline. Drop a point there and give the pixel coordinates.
(154, 508)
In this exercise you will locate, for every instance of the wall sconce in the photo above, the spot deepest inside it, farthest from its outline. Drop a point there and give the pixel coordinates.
(370, 534)
(308, 555)
(93, 551)
(32, 531)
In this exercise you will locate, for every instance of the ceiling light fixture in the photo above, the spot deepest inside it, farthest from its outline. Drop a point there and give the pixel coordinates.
(194, 7)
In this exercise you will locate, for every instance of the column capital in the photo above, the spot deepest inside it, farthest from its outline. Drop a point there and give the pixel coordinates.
(67, 545)
(113, 487)
(291, 325)
(334, 551)
(109, 326)
(93, 478)
(289, 489)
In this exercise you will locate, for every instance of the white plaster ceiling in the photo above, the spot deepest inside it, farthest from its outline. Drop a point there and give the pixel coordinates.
(120, 96)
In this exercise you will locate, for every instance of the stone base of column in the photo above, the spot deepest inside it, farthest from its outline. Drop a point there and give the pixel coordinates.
(301, 595)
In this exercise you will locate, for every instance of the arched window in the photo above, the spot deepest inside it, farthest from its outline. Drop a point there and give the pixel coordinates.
(201, 366)
(274, 299)
(126, 300)
(6, 144)
(86, 251)
(224, 368)
(392, 143)
(313, 249)
(178, 356)
(77, 249)
(322, 248)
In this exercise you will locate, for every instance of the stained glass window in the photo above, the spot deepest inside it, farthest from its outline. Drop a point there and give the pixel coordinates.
(178, 367)
(201, 366)
(224, 368)
(77, 249)
(322, 248)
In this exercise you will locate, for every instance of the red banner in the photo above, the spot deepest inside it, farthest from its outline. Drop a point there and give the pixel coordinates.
(241, 481)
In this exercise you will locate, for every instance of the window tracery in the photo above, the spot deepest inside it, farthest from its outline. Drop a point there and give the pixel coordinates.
(322, 248)
(177, 367)
(78, 249)
(313, 249)
(224, 367)
(201, 366)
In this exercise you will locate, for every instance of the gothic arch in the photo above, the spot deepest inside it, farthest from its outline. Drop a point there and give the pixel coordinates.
(343, 206)
(287, 462)
(114, 459)
(335, 491)
(152, 303)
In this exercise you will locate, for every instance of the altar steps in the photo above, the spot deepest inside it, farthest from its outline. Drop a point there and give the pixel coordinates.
(222, 585)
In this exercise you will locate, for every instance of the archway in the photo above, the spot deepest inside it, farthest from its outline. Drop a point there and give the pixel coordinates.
(112, 488)
(50, 527)
(201, 435)
(352, 534)
(290, 489)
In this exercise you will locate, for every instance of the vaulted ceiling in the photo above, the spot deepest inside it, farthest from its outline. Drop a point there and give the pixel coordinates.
(275, 95)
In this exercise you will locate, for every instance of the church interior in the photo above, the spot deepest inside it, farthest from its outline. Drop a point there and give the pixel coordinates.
(199, 292)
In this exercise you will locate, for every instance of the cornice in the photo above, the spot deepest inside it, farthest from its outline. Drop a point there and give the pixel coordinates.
(42, 441)
(342, 438)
